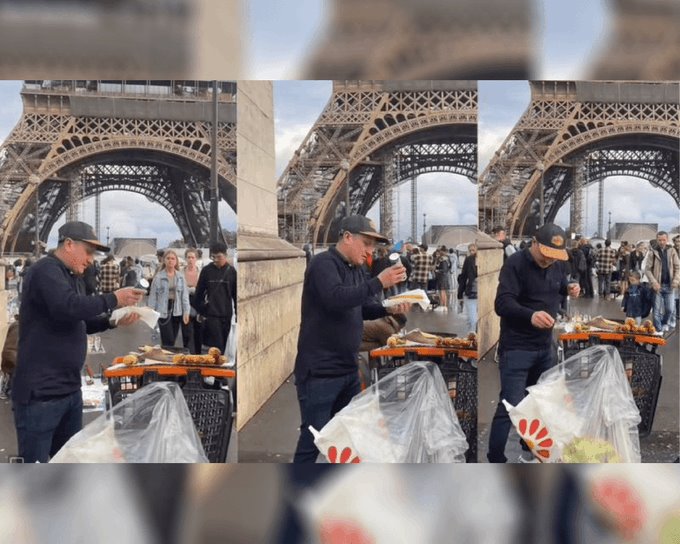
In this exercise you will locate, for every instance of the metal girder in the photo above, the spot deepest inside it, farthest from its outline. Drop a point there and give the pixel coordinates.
(70, 133)
(363, 122)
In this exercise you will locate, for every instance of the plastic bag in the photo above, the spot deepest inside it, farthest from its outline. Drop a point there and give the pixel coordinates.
(424, 504)
(415, 296)
(153, 425)
(581, 411)
(146, 314)
(407, 417)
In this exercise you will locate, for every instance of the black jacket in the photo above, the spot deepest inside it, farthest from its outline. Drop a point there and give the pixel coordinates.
(467, 281)
(216, 291)
(525, 288)
(55, 318)
(336, 298)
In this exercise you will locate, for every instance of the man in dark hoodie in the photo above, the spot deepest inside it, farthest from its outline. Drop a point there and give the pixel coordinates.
(336, 299)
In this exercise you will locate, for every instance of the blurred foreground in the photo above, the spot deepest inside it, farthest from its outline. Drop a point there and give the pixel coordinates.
(331, 504)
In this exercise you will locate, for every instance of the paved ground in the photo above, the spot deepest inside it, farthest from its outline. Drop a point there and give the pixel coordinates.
(116, 342)
(271, 435)
(661, 446)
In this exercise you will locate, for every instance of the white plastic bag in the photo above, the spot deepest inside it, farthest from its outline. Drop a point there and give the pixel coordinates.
(407, 417)
(581, 410)
(146, 314)
(153, 425)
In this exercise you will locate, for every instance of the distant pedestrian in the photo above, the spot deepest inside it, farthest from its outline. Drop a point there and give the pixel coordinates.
(663, 271)
(638, 299)
(109, 275)
(467, 287)
(169, 296)
(216, 298)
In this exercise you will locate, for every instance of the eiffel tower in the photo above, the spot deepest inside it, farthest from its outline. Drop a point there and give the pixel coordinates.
(77, 139)
(371, 137)
(574, 134)
(425, 39)
(644, 42)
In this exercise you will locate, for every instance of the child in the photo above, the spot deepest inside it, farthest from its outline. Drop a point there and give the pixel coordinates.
(638, 298)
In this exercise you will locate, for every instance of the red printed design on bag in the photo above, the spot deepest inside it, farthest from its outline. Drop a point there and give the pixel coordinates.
(622, 504)
(344, 458)
(537, 437)
(344, 532)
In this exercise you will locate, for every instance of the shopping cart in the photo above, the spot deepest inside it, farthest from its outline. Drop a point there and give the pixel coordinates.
(458, 368)
(641, 360)
(206, 393)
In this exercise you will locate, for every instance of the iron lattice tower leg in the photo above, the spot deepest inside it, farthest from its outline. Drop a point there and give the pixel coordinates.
(600, 208)
(576, 219)
(414, 209)
(363, 122)
(624, 127)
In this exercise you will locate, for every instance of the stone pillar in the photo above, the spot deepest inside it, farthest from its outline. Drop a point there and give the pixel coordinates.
(270, 270)
(489, 263)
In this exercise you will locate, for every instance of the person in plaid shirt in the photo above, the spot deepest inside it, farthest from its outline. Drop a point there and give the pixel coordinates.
(606, 259)
(110, 275)
(422, 266)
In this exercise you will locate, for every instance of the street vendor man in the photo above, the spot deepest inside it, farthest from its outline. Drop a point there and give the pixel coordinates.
(55, 318)
(336, 298)
(532, 284)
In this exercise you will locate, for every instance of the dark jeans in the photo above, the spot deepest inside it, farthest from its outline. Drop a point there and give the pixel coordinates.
(44, 426)
(191, 336)
(320, 399)
(216, 332)
(169, 326)
(604, 282)
(519, 370)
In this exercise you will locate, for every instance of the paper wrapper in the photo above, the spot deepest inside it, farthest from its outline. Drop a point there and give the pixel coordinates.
(415, 296)
(146, 314)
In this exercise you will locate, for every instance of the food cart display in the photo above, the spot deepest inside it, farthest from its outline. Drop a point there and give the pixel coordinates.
(456, 359)
(203, 382)
(638, 349)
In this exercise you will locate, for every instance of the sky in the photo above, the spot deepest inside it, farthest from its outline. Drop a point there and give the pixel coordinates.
(447, 199)
(127, 214)
(628, 199)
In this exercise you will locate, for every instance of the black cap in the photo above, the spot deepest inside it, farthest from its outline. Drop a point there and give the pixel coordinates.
(552, 242)
(77, 230)
(358, 224)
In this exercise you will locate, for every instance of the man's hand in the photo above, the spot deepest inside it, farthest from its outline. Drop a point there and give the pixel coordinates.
(392, 275)
(399, 308)
(185, 319)
(542, 320)
(573, 290)
(128, 296)
(656, 287)
(128, 320)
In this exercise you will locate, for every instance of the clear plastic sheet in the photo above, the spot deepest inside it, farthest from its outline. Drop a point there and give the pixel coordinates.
(153, 425)
(407, 417)
(581, 411)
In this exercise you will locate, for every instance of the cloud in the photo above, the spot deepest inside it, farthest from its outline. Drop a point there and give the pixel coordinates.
(288, 140)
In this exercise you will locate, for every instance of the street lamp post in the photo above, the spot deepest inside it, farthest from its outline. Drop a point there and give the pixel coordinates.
(609, 225)
(424, 227)
(214, 178)
(108, 229)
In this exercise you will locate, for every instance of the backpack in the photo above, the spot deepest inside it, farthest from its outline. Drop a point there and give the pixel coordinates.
(444, 266)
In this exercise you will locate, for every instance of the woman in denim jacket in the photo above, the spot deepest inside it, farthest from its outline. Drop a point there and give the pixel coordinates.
(169, 296)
